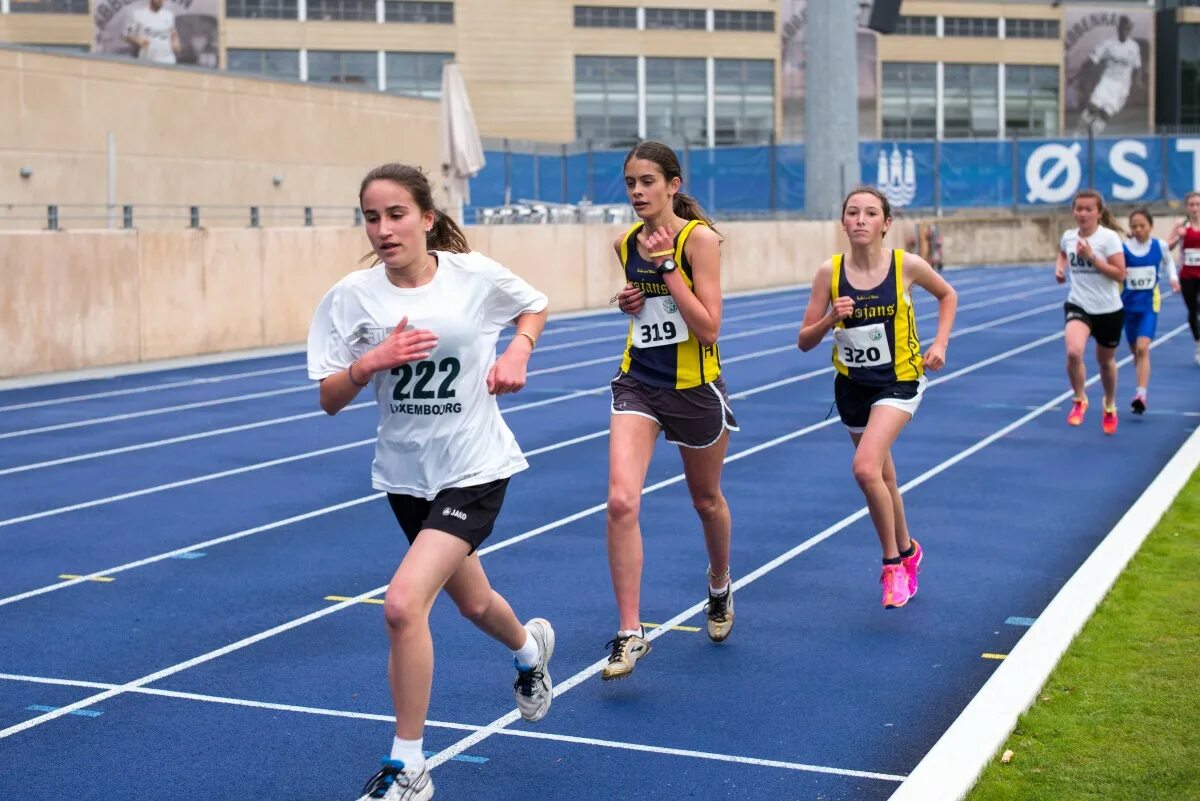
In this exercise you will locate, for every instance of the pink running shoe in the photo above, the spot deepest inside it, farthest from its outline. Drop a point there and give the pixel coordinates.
(912, 566)
(1078, 409)
(895, 586)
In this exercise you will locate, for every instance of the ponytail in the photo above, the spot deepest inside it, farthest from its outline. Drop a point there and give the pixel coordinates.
(688, 208)
(446, 235)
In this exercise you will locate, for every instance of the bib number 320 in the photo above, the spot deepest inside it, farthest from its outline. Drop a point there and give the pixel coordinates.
(865, 346)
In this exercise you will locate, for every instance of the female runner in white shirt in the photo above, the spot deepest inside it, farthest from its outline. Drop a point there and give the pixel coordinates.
(420, 327)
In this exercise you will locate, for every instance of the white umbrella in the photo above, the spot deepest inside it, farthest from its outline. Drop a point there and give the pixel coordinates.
(462, 151)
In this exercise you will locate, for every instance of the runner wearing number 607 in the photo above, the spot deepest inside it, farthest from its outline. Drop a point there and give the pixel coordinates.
(881, 373)
(669, 381)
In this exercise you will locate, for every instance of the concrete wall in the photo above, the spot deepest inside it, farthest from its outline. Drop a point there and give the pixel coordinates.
(76, 299)
(194, 137)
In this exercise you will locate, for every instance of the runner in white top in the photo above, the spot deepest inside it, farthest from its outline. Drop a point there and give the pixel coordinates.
(420, 327)
(152, 31)
(1095, 258)
(1121, 59)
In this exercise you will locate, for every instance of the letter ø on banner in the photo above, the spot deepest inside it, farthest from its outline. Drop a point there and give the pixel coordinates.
(1064, 164)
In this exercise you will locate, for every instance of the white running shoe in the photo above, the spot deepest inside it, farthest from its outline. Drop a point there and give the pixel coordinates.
(394, 783)
(534, 689)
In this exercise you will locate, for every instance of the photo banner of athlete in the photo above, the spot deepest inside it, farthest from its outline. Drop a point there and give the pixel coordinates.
(792, 66)
(1108, 58)
(159, 31)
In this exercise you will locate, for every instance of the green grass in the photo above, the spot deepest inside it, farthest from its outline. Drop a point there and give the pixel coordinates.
(1119, 717)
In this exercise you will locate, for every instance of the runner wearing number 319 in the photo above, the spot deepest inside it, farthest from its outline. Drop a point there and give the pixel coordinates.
(864, 299)
(669, 381)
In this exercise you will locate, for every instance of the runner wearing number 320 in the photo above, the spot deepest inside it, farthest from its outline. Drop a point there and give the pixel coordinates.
(880, 370)
(669, 381)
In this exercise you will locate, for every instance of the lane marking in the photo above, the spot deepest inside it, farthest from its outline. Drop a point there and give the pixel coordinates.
(526, 734)
(86, 713)
(673, 628)
(190, 555)
(85, 578)
(379, 601)
(994, 656)
(1020, 621)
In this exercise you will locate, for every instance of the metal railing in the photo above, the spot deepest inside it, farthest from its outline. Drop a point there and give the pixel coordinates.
(56, 216)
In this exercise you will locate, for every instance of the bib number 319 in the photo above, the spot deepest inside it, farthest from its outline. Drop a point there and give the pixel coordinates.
(659, 324)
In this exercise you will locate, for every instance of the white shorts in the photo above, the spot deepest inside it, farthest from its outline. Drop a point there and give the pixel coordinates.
(1110, 95)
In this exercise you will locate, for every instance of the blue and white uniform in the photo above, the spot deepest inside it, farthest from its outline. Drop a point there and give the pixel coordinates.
(1141, 297)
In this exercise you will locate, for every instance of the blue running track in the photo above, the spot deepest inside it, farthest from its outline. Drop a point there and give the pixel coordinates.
(170, 542)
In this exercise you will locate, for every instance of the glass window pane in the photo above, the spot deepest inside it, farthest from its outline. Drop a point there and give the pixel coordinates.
(419, 13)
(348, 67)
(271, 63)
(415, 74)
(606, 100)
(261, 9)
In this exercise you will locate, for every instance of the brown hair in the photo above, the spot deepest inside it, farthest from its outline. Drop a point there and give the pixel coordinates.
(445, 234)
(868, 190)
(684, 206)
(1189, 196)
(1107, 219)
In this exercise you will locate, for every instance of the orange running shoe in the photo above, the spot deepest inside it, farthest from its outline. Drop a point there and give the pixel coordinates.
(894, 579)
(1078, 408)
(1109, 421)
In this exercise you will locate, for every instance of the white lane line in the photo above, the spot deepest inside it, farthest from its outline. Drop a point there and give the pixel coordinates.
(613, 358)
(334, 449)
(565, 686)
(951, 767)
(92, 421)
(440, 724)
(155, 388)
(329, 610)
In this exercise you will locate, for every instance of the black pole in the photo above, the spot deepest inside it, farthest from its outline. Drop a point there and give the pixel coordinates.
(565, 189)
(254, 216)
(52, 217)
(772, 158)
(308, 216)
(127, 216)
(194, 213)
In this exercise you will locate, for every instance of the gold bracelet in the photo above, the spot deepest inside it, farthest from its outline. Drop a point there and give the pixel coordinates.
(660, 254)
(532, 341)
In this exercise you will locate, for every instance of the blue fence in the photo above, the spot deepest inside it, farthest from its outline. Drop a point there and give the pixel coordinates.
(914, 174)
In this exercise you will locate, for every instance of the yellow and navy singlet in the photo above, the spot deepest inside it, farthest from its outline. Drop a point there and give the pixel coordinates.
(878, 345)
(679, 364)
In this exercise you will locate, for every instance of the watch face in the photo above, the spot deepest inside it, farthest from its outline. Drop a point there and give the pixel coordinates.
(667, 266)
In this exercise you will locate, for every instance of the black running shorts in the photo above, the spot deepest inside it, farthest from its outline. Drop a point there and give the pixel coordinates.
(694, 417)
(468, 513)
(1106, 328)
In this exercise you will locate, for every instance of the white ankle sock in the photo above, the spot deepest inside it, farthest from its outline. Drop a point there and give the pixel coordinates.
(1140, 392)
(528, 654)
(639, 631)
(410, 752)
(718, 590)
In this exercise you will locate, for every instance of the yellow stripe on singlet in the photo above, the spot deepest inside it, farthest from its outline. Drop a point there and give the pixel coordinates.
(909, 366)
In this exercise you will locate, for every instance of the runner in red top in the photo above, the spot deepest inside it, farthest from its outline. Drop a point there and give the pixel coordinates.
(1186, 236)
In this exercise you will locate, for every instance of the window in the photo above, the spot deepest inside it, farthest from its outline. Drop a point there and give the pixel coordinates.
(606, 100)
(763, 21)
(261, 9)
(349, 67)
(676, 99)
(271, 63)
(49, 6)
(985, 27)
(415, 74)
(1030, 28)
(909, 100)
(916, 26)
(971, 100)
(743, 101)
(605, 17)
(1189, 75)
(418, 13)
(346, 10)
(683, 19)
(1031, 100)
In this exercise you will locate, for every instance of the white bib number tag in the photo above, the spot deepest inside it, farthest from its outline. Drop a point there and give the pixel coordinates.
(659, 324)
(1191, 257)
(865, 346)
(1141, 277)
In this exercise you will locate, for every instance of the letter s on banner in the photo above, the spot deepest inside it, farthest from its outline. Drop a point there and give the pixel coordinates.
(1118, 159)
(1065, 160)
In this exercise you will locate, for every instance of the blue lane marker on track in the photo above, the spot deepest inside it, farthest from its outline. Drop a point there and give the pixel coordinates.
(1020, 621)
(462, 758)
(189, 555)
(87, 713)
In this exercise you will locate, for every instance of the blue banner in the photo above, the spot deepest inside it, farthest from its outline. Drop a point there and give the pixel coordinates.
(912, 174)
